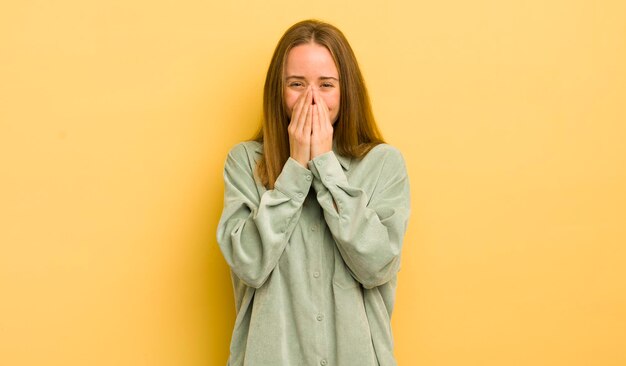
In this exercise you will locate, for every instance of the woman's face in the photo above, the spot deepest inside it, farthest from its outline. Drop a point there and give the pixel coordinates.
(311, 64)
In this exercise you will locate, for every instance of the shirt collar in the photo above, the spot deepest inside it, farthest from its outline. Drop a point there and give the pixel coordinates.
(343, 160)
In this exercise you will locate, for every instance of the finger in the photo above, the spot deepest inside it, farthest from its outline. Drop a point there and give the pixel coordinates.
(308, 102)
(316, 110)
(322, 126)
(324, 112)
(303, 119)
(321, 123)
(310, 120)
(322, 115)
(297, 108)
(304, 111)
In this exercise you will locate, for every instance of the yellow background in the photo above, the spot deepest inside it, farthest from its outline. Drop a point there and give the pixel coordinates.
(116, 116)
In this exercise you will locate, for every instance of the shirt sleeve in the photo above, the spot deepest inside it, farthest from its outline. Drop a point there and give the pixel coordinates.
(253, 232)
(368, 231)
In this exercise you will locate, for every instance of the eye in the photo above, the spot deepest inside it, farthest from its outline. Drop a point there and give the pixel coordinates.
(328, 85)
(296, 84)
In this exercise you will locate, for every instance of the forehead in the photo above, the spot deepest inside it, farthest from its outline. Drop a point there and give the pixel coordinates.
(310, 59)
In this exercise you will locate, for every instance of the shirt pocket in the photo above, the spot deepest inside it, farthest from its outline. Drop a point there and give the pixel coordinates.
(342, 277)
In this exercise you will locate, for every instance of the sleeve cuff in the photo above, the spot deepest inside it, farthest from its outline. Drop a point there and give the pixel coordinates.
(327, 169)
(294, 180)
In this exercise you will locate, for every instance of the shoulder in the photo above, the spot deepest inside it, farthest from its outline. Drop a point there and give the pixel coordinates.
(385, 154)
(243, 156)
(245, 150)
(384, 149)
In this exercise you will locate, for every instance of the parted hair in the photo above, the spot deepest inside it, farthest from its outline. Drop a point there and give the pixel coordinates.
(355, 133)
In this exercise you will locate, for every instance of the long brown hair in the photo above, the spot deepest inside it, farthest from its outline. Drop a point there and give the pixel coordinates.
(355, 132)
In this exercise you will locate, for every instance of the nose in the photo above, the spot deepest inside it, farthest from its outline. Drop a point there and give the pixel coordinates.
(314, 90)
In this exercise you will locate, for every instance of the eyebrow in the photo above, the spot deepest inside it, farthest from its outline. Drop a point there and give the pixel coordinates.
(320, 78)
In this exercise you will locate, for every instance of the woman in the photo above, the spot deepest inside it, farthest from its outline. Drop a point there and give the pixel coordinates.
(315, 211)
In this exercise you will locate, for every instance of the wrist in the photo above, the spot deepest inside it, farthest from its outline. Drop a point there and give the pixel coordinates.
(300, 160)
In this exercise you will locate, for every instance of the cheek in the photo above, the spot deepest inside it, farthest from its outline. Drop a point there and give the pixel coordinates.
(291, 98)
(332, 101)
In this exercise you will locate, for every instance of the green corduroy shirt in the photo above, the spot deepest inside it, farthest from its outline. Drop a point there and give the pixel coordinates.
(314, 284)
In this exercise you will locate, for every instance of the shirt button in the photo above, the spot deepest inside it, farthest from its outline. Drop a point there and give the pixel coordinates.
(320, 317)
(326, 179)
(308, 177)
(323, 362)
(316, 274)
(300, 194)
(314, 227)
